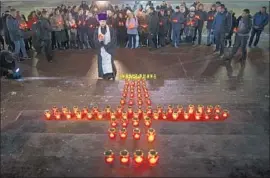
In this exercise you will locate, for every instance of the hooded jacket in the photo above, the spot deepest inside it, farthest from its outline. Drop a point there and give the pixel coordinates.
(177, 20)
(221, 23)
(244, 26)
(260, 20)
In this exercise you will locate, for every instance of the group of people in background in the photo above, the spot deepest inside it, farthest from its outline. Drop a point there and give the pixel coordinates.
(74, 27)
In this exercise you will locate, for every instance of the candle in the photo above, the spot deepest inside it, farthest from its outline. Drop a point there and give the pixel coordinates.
(130, 112)
(57, 115)
(200, 108)
(123, 133)
(198, 115)
(124, 94)
(122, 101)
(89, 116)
(156, 115)
(47, 114)
(75, 109)
(148, 102)
(225, 114)
(151, 135)
(136, 133)
(78, 115)
(175, 115)
(68, 115)
(109, 156)
(113, 122)
(140, 102)
(146, 95)
(191, 109)
(112, 133)
(139, 95)
(209, 109)
(54, 109)
(130, 103)
(131, 95)
(216, 116)
(124, 157)
(100, 116)
(149, 111)
(85, 110)
(64, 109)
(186, 115)
(180, 109)
(147, 122)
(206, 117)
(135, 122)
(138, 156)
(217, 109)
(159, 109)
(153, 157)
(124, 122)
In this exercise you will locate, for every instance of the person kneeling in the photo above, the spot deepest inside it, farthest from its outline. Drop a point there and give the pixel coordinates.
(105, 42)
(8, 65)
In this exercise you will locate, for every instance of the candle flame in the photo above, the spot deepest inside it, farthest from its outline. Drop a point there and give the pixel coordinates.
(138, 159)
(109, 160)
(151, 138)
(124, 160)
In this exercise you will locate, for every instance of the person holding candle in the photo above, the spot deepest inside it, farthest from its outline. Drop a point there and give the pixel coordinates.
(57, 23)
(210, 19)
(105, 43)
(132, 29)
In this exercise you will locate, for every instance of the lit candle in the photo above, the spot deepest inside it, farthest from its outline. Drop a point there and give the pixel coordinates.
(100, 116)
(89, 116)
(138, 156)
(151, 135)
(123, 133)
(180, 109)
(124, 94)
(113, 122)
(57, 115)
(200, 108)
(130, 112)
(164, 116)
(217, 116)
(78, 115)
(85, 110)
(156, 115)
(112, 133)
(54, 109)
(139, 95)
(124, 157)
(191, 109)
(159, 109)
(131, 95)
(136, 114)
(64, 109)
(95, 110)
(47, 114)
(122, 101)
(119, 111)
(198, 115)
(186, 115)
(146, 95)
(124, 122)
(147, 122)
(75, 109)
(138, 91)
(109, 156)
(149, 111)
(225, 114)
(217, 109)
(135, 122)
(124, 114)
(68, 115)
(175, 115)
(140, 102)
(130, 103)
(206, 117)
(140, 113)
(148, 102)
(209, 109)
(136, 133)
(153, 157)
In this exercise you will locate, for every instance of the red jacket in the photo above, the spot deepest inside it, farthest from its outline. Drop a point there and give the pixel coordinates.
(31, 22)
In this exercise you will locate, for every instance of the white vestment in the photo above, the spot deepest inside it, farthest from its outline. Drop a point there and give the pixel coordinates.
(105, 56)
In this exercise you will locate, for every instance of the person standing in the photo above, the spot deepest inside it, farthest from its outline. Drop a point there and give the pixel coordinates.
(16, 35)
(201, 16)
(163, 28)
(82, 30)
(153, 24)
(143, 27)
(228, 41)
(132, 29)
(177, 21)
(260, 20)
(121, 30)
(221, 26)
(210, 19)
(57, 23)
(105, 43)
(191, 25)
(92, 24)
(242, 35)
(45, 35)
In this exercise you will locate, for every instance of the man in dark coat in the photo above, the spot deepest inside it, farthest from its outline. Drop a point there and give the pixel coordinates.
(210, 19)
(178, 20)
(201, 16)
(153, 25)
(105, 43)
(163, 28)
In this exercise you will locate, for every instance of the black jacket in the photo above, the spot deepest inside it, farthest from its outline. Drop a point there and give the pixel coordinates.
(163, 24)
(153, 23)
(210, 19)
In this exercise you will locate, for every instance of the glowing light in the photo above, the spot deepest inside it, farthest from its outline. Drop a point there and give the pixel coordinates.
(89, 116)
(75, 109)
(124, 157)
(147, 122)
(175, 115)
(200, 108)
(138, 156)
(209, 109)
(85, 110)
(78, 115)
(180, 109)
(151, 135)
(225, 114)
(191, 109)
(198, 115)
(17, 70)
(112, 133)
(123, 133)
(135, 122)
(153, 157)
(136, 133)
(109, 156)
(57, 115)
(47, 114)
(186, 115)
(217, 109)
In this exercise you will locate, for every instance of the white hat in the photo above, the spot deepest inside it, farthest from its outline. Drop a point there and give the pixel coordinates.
(128, 12)
(192, 8)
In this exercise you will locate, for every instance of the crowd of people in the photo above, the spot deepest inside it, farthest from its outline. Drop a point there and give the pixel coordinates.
(74, 27)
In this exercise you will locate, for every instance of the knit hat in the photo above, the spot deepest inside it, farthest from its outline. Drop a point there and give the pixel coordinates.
(102, 16)
(192, 8)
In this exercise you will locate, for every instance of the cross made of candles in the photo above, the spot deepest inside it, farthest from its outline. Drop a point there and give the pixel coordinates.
(135, 110)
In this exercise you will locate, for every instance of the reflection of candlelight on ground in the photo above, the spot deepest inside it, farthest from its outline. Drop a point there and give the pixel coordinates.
(47, 114)
(153, 157)
(136, 133)
(123, 133)
(109, 156)
(124, 157)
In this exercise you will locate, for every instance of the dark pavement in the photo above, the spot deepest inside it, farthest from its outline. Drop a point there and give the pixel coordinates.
(237, 147)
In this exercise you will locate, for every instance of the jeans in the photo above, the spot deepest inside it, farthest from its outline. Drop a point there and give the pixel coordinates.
(83, 38)
(20, 46)
(254, 32)
(131, 41)
(220, 42)
(210, 37)
(199, 31)
(176, 37)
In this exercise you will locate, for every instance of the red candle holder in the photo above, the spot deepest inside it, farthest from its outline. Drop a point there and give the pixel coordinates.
(198, 116)
(109, 156)
(135, 114)
(75, 109)
(159, 109)
(206, 117)
(130, 112)
(89, 116)
(124, 114)
(153, 157)
(113, 122)
(139, 95)
(78, 115)
(149, 111)
(136, 134)
(68, 115)
(131, 94)
(54, 109)
(124, 122)
(147, 122)
(175, 116)
(140, 102)
(100, 116)
(151, 135)
(164, 116)
(225, 114)
(186, 115)
(200, 109)
(140, 113)
(148, 102)
(95, 110)
(112, 133)
(156, 115)
(191, 109)
(124, 157)
(139, 91)
(85, 110)
(124, 94)
(130, 102)
(57, 115)
(138, 157)
(112, 116)
(146, 95)
(180, 109)
(47, 114)
(123, 133)
(217, 109)
(64, 109)
(135, 122)
(209, 109)
(122, 101)
(217, 116)
(119, 111)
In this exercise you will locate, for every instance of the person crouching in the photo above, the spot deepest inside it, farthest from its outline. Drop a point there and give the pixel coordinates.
(105, 43)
